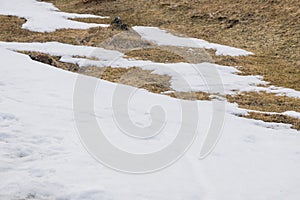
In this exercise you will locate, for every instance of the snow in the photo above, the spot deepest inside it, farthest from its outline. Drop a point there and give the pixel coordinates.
(292, 114)
(185, 77)
(162, 37)
(280, 91)
(41, 152)
(44, 17)
(42, 157)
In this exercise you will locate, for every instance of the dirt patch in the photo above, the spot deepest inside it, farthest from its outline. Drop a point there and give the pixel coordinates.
(267, 102)
(51, 60)
(275, 118)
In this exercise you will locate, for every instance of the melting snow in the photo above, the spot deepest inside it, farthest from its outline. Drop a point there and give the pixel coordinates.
(162, 37)
(44, 17)
(41, 156)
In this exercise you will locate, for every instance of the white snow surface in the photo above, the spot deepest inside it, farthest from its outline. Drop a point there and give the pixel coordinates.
(185, 76)
(162, 37)
(292, 113)
(42, 157)
(44, 17)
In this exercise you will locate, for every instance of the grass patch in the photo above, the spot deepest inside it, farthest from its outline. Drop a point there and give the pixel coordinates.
(266, 102)
(155, 55)
(278, 72)
(190, 95)
(275, 118)
(11, 31)
(133, 76)
(93, 20)
(269, 28)
(51, 60)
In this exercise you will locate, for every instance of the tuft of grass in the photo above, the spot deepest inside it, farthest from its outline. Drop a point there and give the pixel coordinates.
(276, 71)
(275, 118)
(133, 76)
(267, 102)
(155, 55)
(93, 20)
(190, 95)
(11, 31)
(51, 60)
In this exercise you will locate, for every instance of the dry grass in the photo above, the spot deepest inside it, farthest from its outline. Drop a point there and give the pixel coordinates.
(273, 69)
(275, 118)
(11, 31)
(156, 55)
(266, 102)
(51, 60)
(269, 28)
(140, 78)
(93, 20)
(170, 54)
(133, 76)
(190, 95)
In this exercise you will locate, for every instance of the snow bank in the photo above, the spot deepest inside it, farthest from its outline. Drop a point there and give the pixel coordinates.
(162, 37)
(44, 17)
(40, 151)
(206, 77)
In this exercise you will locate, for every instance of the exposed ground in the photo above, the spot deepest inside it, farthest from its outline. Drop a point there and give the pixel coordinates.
(11, 31)
(278, 118)
(133, 76)
(269, 28)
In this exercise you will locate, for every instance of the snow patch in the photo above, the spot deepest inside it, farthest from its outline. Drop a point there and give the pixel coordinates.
(205, 77)
(162, 37)
(292, 114)
(45, 17)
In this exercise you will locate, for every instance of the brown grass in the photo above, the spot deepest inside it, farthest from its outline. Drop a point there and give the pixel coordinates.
(267, 102)
(190, 95)
(11, 31)
(170, 54)
(133, 76)
(51, 60)
(269, 28)
(93, 20)
(275, 118)
(156, 55)
(277, 71)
